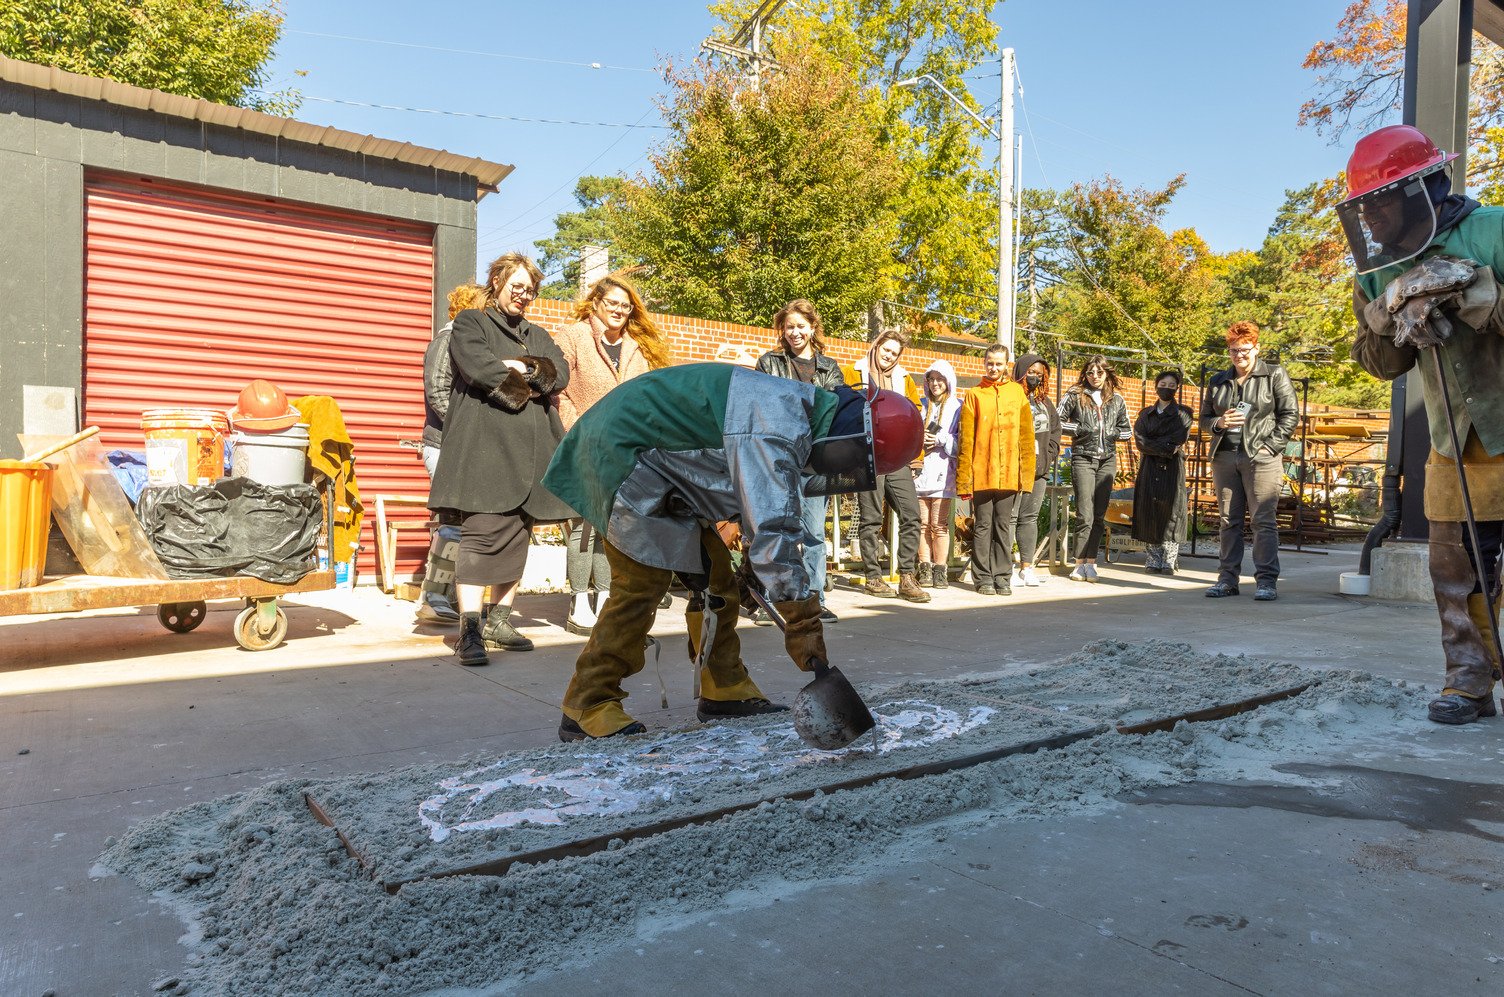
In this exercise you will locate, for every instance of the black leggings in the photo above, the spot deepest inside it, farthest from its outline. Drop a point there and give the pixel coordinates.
(1026, 521)
(1092, 479)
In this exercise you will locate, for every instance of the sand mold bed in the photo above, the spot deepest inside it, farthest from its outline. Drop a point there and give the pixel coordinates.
(275, 906)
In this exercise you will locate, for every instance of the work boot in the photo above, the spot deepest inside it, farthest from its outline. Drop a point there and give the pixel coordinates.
(1265, 592)
(1455, 708)
(571, 731)
(909, 590)
(500, 634)
(880, 588)
(922, 575)
(711, 710)
(471, 647)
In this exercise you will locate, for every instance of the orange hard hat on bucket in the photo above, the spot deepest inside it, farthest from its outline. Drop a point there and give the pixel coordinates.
(263, 407)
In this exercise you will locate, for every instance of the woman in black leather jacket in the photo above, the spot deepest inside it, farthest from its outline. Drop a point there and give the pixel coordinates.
(800, 355)
(1095, 417)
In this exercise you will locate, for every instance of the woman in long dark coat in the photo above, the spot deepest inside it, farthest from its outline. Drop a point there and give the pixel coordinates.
(1159, 495)
(500, 432)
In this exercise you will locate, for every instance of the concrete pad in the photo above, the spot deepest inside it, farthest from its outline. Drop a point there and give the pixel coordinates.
(121, 720)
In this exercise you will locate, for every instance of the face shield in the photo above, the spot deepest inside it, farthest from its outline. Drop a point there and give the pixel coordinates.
(839, 465)
(1390, 224)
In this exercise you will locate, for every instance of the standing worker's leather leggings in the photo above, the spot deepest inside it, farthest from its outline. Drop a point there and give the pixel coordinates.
(1472, 665)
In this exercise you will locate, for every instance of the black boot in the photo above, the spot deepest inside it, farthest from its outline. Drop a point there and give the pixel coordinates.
(500, 633)
(571, 731)
(471, 647)
(711, 710)
(1455, 708)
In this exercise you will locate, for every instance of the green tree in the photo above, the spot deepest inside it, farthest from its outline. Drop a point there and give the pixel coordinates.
(1117, 277)
(760, 197)
(946, 207)
(213, 49)
(559, 254)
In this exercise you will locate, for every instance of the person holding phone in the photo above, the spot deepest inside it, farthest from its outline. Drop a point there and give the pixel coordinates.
(1249, 411)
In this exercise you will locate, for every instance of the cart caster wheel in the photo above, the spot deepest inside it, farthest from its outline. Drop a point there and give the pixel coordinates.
(252, 639)
(181, 617)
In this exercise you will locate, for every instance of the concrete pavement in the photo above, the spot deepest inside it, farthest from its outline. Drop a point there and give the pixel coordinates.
(1229, 890)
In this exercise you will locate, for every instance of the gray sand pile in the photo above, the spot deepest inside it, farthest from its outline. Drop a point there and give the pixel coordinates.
(275, 906)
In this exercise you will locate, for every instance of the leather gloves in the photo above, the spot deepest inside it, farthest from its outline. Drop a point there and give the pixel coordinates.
(803, 633)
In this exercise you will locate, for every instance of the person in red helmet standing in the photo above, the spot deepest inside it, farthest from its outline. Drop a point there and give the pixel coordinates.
(1426, 297)
(658, 462)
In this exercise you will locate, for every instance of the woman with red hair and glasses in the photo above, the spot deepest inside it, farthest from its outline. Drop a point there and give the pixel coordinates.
(1249, 410)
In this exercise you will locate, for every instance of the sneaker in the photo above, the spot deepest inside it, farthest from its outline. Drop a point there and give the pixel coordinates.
(1017, 578)
(909, 590)
(1265, 592)
(986, 590)
(1029, 578)
(711, 710)
(1091, 572)
(923, 574)
(1455, 708)
(1078, 573)
(571, 731)
(760, 617)
(826, 616)
(500, 634)
(939, 577)
(1221, 590)
(880, 588)
(471, 647)
(1005, 589)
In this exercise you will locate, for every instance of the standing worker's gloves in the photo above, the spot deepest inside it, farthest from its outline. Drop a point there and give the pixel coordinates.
(803, 633)
(1416, 297)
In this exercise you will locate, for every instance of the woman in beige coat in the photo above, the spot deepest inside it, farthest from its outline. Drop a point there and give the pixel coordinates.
(612, 340)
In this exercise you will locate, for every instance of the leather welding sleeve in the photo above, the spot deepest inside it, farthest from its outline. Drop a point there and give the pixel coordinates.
(803, 633)
(1373, 346)
(764, 471)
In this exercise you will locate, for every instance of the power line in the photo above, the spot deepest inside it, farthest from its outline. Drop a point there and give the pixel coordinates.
(463, 51)
(477, 114)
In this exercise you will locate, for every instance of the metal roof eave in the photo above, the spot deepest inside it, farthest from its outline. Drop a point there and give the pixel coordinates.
(487, 174)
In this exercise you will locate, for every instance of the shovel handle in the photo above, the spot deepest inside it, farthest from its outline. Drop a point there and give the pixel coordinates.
(819, 666)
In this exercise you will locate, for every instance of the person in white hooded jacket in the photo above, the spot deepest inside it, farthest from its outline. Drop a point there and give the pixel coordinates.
(936, 481)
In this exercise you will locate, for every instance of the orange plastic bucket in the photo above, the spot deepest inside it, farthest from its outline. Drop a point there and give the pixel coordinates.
(184, 446)
(25, 517)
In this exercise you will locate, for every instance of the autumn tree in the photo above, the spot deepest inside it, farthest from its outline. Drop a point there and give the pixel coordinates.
(1360, 86)
(759, 197)
(213, 49)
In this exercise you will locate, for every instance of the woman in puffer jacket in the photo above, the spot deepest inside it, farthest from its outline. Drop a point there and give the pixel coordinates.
(936, 481)
(1095, 417)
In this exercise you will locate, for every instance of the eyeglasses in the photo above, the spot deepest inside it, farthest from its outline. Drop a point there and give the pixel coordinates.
(1242, 351)
(617, 306)
(524, 291)
(1097, 371)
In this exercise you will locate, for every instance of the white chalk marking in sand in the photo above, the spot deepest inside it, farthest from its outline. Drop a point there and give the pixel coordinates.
(608, 784)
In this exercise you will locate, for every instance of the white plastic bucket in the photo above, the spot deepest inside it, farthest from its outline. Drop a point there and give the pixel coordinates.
(271, 458)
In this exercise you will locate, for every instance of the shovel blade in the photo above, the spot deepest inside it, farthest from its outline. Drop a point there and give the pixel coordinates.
(829, 714)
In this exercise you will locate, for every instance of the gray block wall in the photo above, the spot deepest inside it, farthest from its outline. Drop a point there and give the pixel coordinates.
(49, 140)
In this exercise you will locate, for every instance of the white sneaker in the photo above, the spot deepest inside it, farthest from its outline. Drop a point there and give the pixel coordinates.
(1029, 578)
(1091, 572)
(581, 615)
(1078, 573)
(1018, 578)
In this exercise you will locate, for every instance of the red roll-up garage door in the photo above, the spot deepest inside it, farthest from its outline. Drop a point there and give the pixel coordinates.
(189, 294)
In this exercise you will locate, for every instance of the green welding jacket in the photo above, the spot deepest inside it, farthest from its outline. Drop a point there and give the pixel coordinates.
(1472, 359)
(667, 449)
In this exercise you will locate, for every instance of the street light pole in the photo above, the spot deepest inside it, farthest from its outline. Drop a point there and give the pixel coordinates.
(1004, 136)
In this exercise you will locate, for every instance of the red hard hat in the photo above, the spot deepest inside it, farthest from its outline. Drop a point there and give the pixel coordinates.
(1389, 155)
(897, 430)
(263, 407)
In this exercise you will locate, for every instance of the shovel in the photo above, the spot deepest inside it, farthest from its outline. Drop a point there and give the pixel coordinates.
(828, 713)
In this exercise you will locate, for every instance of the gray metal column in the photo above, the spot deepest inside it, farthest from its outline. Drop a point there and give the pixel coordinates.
(1438, 53)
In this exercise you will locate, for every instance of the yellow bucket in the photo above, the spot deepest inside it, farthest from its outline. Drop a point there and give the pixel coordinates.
(25, 517)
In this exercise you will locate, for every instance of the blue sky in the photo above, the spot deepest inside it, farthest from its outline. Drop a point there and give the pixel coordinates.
(1142, 91)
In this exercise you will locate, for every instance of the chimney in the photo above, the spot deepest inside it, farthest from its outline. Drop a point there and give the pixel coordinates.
(594, 264)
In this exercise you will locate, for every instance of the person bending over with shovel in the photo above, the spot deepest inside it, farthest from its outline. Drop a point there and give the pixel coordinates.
(657, 463)
(1429, 264)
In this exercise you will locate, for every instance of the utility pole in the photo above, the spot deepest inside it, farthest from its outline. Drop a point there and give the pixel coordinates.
(1005, 208)
(747, 44)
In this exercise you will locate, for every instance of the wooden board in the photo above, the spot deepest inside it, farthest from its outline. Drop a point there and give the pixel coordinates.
(73, 593)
